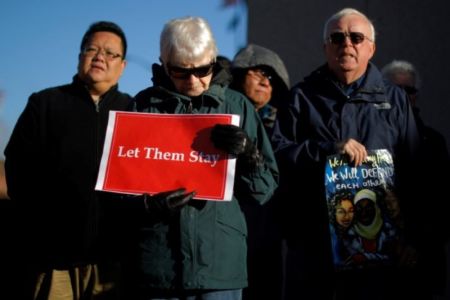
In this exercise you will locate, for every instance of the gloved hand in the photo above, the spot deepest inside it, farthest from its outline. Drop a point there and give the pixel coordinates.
(235, 141)
(167, 203)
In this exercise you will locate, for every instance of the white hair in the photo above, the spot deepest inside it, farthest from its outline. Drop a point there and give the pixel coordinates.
(342, 13)
(186, 39)
(402, 67)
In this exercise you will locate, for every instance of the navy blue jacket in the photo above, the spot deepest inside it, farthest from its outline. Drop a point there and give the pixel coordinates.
(318, 116)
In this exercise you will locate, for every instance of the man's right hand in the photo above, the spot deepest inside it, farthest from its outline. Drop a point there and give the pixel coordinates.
(356, 151)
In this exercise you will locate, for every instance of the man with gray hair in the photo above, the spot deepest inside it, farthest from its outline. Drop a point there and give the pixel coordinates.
(434, 153)
(344, 107)
(404, 74)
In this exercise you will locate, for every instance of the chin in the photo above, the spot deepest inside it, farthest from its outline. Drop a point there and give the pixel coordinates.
(94, 76)
(348, 66)
(191, 93)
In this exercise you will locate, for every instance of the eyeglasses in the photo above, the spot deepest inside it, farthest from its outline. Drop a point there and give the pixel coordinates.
(410, 90)
(338, 38)
(185, 73)
(92, 51)
(260, 74)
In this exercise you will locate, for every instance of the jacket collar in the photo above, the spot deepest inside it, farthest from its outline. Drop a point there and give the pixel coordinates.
(80, 87)
(371, 89)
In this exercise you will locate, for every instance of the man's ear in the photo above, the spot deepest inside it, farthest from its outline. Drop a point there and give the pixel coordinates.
(374, 47)
(124, 64)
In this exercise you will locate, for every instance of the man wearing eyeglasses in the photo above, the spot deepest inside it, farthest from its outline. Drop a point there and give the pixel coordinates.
(198, 251)
(260, 74)
(52, 160)
(344, 107)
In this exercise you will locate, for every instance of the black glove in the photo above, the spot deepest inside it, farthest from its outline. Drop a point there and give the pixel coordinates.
(235, 141)
(167, 203)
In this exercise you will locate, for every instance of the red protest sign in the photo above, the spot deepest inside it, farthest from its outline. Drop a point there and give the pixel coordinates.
(151, 153)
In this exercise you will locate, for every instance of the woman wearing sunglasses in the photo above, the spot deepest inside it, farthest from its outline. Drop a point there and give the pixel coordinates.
(199, 250)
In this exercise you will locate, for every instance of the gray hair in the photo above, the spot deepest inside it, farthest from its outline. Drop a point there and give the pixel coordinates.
(402, 67)
(342, 13)
(186, 39)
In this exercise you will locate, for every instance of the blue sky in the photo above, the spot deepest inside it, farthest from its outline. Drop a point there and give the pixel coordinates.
(41, 38)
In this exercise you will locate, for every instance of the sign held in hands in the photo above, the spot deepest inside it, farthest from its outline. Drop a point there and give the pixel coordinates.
(152, 153)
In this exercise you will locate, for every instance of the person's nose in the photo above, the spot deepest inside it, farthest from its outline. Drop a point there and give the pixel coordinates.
(264, 81)
(100, 55)
(191, 77)
(347, 41)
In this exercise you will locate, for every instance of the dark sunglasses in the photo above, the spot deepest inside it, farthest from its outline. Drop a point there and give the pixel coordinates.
(338, 38)
(184, 73)
(410, 90)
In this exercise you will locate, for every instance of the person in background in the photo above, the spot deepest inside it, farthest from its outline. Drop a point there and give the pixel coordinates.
(52, 161)
(7, 217)
(198, 251)
(3, 188)
(405, 75)
(434, 232)
(260, 74)
(225, 63)
(344, 107)
(3, 137)
(7, 250)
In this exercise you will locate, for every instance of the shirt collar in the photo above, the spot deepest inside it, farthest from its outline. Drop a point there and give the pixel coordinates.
(348, 89)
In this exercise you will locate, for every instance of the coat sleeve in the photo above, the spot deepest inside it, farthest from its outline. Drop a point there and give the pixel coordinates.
(411, 174)
(23, 153)
(259, 184)
(290, 140)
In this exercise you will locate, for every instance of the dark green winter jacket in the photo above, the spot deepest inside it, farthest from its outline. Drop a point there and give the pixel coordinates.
(204, 247)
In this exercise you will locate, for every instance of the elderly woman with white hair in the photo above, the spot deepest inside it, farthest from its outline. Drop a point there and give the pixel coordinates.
(198, 250)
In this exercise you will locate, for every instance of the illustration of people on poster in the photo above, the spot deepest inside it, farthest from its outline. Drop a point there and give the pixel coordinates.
(363, 211)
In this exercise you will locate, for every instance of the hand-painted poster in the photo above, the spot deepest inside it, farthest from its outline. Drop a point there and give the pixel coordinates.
(363, 211)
